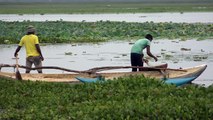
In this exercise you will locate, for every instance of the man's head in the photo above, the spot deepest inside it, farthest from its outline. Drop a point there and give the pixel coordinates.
(149, 37)
(30, 30)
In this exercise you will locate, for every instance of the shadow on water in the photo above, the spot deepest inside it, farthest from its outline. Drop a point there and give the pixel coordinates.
(83, 56)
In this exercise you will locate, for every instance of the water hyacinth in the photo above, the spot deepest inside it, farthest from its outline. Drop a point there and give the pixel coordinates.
(66, 32)
(133, 97)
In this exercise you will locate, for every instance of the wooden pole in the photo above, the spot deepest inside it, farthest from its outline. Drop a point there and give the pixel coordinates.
(93, 70)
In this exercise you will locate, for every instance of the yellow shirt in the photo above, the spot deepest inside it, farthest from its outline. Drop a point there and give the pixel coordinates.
(29, 41)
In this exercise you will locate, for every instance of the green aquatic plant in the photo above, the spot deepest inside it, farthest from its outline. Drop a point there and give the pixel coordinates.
(67, 32)
(68, 53)
(133, 97)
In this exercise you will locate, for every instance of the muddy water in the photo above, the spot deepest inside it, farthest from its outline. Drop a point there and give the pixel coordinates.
(83, 56)
(188, 17)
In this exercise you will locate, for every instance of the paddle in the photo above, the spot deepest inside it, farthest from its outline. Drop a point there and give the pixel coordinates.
(18, 75)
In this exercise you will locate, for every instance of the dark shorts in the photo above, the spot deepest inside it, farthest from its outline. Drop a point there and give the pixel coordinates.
(36, 60)
(136, 60)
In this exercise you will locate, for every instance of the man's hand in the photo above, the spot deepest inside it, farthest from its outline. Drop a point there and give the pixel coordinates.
(156, 59)
(15, 54)
(17, 50)
(42, 58)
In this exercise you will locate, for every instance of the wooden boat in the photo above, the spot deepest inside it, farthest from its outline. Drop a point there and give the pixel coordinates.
(62, 77)
(172, 76)
(159, 66)
(177, 77)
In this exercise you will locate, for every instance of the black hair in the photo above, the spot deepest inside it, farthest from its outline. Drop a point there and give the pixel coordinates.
(149, 36)
(28, 33)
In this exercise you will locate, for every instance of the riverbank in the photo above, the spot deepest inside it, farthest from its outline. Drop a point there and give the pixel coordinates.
(104, 7)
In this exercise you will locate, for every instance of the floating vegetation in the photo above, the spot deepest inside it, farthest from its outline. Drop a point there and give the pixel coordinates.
(175, 41)
(7, 41)
(73, 45)
(67, 32)
(168, 57)
(175, 61)
(116, 57)
(124, 55)
(200, 57)
(156, 42)
(142, 16)
(68, 53)
(202, 50)
(158, 56)
(131, 43)
(176, 56)
(173, 51)
(185, 49)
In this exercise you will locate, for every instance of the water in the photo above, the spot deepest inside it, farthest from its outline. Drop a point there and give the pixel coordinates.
(188, 17)
(83, 56)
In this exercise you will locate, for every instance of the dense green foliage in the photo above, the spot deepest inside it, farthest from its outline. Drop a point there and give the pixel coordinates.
(129, 7)
(64, 32)
(126, 98)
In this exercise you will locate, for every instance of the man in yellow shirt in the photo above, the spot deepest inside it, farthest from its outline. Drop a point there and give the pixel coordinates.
(33, 51)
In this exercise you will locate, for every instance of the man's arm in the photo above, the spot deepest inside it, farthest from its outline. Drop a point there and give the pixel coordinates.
(39, 51)
(150, 54)
(17, 50)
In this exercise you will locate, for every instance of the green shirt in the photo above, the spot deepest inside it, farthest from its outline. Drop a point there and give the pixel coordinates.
(140, 45)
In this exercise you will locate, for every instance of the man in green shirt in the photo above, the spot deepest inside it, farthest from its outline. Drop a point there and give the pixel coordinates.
(137, 51)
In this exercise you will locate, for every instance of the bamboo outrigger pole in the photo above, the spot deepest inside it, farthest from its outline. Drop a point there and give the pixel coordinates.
(92, 70)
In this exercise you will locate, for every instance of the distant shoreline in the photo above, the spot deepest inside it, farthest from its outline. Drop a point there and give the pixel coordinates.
(103, 7)
(108, 1)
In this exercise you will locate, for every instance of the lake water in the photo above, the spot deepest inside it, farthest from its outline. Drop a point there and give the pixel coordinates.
(83, 56)
(188, 17)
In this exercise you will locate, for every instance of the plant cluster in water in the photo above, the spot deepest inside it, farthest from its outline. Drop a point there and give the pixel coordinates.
(133, 97)
(65, 32)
